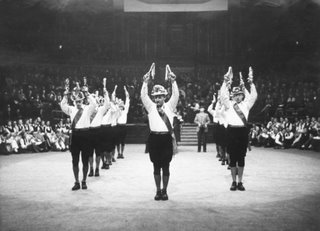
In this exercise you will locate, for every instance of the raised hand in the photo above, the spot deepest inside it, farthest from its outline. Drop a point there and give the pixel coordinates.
(241, 80)
(114, 90)
(104, 83)
(172, 76)
(250, 75)
(126, 91)
(152, 70)
(67, 83)
(229, 75)
(214, 99)
(146, 77)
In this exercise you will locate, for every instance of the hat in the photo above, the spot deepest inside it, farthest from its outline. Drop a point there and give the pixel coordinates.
(236, 91)
(77, 96)
(121, 104)
(158, 90)
(100, 100)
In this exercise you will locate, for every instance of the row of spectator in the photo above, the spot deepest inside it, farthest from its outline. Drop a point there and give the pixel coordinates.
(34, 136)
(36, 91)
(303, 133)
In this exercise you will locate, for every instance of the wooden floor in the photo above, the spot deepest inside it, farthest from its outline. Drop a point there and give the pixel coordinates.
(282, 193)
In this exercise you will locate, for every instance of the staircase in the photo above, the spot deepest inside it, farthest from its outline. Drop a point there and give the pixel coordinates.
(188, 134)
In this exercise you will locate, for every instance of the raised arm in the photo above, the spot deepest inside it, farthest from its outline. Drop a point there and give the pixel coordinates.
(210, 108)
(127, 103)
(147, 102)
(252, 97)
(64, 104)
(173, 101)
(91, 100)
(224, 90)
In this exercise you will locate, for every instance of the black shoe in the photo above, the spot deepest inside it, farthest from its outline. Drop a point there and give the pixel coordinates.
(223, 162)
(240, 187)
(218, 156)
(113, 159)
(233, 186)
(97, 172)
(164, 195)
(103, 166)
(119, 157)
(107, 166)
(229, 167)
(76, 186)
(220, 159)
(91, 172)
(84, 185)
(158, 196)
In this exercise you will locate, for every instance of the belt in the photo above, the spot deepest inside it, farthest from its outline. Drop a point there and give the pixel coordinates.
(160, 133)
(236, 126)
(80, 129)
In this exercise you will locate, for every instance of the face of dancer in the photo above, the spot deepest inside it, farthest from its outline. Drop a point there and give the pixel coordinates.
(159, 100)
(79, 103)
(238, 98)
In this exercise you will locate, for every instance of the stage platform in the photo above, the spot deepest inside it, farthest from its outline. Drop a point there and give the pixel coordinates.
(282, 193)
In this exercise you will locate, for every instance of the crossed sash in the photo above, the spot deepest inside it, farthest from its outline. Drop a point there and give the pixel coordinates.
(165, 119)
(240, 114)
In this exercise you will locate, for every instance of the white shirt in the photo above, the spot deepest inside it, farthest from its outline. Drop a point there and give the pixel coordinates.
(101, 111)
(231, 115)
(110, 118)
(156, 123)
(84, 121)
(124, 113)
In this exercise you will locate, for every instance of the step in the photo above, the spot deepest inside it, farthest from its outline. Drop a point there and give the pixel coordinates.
(188, 135)
(187, 143)
(189, 140)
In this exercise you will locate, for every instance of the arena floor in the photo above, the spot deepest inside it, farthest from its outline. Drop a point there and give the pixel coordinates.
(282, 193)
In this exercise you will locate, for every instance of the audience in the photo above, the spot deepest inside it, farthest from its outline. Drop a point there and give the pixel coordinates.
(36, 91)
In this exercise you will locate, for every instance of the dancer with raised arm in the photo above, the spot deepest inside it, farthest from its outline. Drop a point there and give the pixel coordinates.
(161, 142)
(237, 112)
(96, 134)
(80, 142)
(121, 123)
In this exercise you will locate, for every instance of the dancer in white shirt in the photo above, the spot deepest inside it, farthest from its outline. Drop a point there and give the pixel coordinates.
(80, 117)
(237, 112)
(160, 115)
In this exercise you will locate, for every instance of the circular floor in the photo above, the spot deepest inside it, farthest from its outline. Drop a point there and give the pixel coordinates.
(282, 193)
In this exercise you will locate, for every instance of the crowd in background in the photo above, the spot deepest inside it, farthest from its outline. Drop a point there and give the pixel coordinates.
(24, 136)
(36, 91)
(282, 133)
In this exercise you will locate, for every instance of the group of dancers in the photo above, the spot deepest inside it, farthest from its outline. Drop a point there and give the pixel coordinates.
(98, 127)
(230, 114)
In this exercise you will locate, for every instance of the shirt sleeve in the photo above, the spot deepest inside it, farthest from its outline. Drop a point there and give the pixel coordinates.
(65, 107)
(147, 102)
(210, 109)
(225, 96)
(173, 101)
(127, 104)
(252, 96)
(92, 103)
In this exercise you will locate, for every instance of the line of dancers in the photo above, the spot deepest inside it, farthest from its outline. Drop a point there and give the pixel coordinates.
(95, 127)
(98, 127)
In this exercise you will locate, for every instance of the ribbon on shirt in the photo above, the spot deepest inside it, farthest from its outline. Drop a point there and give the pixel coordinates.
(165, 119)
(240, 113)
(77, 118)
